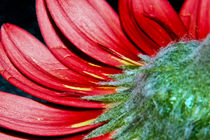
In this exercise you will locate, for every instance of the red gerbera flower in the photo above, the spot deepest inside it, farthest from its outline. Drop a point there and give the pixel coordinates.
(91, 54)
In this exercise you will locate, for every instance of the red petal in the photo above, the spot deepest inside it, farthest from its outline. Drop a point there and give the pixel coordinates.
(112, 20)
(12, 135)
(150, 23)
(204, 19)
(82, 136)
(1, 67)
(39, 64)
(83, 25)
(134, 32)
(196, 17)
(10, 73)
(57, 45)
(27, 116)
(28, 54)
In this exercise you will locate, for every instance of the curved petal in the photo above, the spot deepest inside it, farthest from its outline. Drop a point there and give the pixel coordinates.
(9, 72)
(28, 54)
(82, 136)
(82, 23)
(112, 20)
(133, 31)
(35, 61)
(196, 17)
(58, 46)
(13, 135)
(150, 23)
(27, 116)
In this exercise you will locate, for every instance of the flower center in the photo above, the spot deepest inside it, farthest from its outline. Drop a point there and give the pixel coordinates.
(168, 98)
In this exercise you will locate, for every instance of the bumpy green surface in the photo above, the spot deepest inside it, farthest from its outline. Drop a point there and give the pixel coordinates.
(167, 99)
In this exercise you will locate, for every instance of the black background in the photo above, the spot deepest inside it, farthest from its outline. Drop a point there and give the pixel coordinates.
(23, 14)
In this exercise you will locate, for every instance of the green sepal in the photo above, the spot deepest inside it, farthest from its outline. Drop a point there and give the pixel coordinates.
(168, 98)
(116, 97)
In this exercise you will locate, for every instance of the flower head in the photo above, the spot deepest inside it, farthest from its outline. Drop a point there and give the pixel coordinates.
(140, 72)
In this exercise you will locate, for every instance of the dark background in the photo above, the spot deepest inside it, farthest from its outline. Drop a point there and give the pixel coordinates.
(23, 14)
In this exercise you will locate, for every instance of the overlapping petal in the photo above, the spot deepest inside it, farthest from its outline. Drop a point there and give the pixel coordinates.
(196, 16)
(25, 115)
(92, 32)
(12, 135)
(62, 48)
(86, 44)
(150, 23)
(34, 60)
(9, 72)
(28, 54)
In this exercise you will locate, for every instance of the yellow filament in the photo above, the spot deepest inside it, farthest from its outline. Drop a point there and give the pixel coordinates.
(122, 61)
(78, 88)
(94, 65)
(85, 123)
(93, 75)
(107, 87)
(133, 62)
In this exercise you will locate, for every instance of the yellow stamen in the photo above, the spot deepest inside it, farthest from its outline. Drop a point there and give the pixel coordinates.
(78, 88)
(122, 61)
(125, 60)
(107, 87)
(85, 123)
(133, 62)
(94, 65)
(106, 74)
(93, 75)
